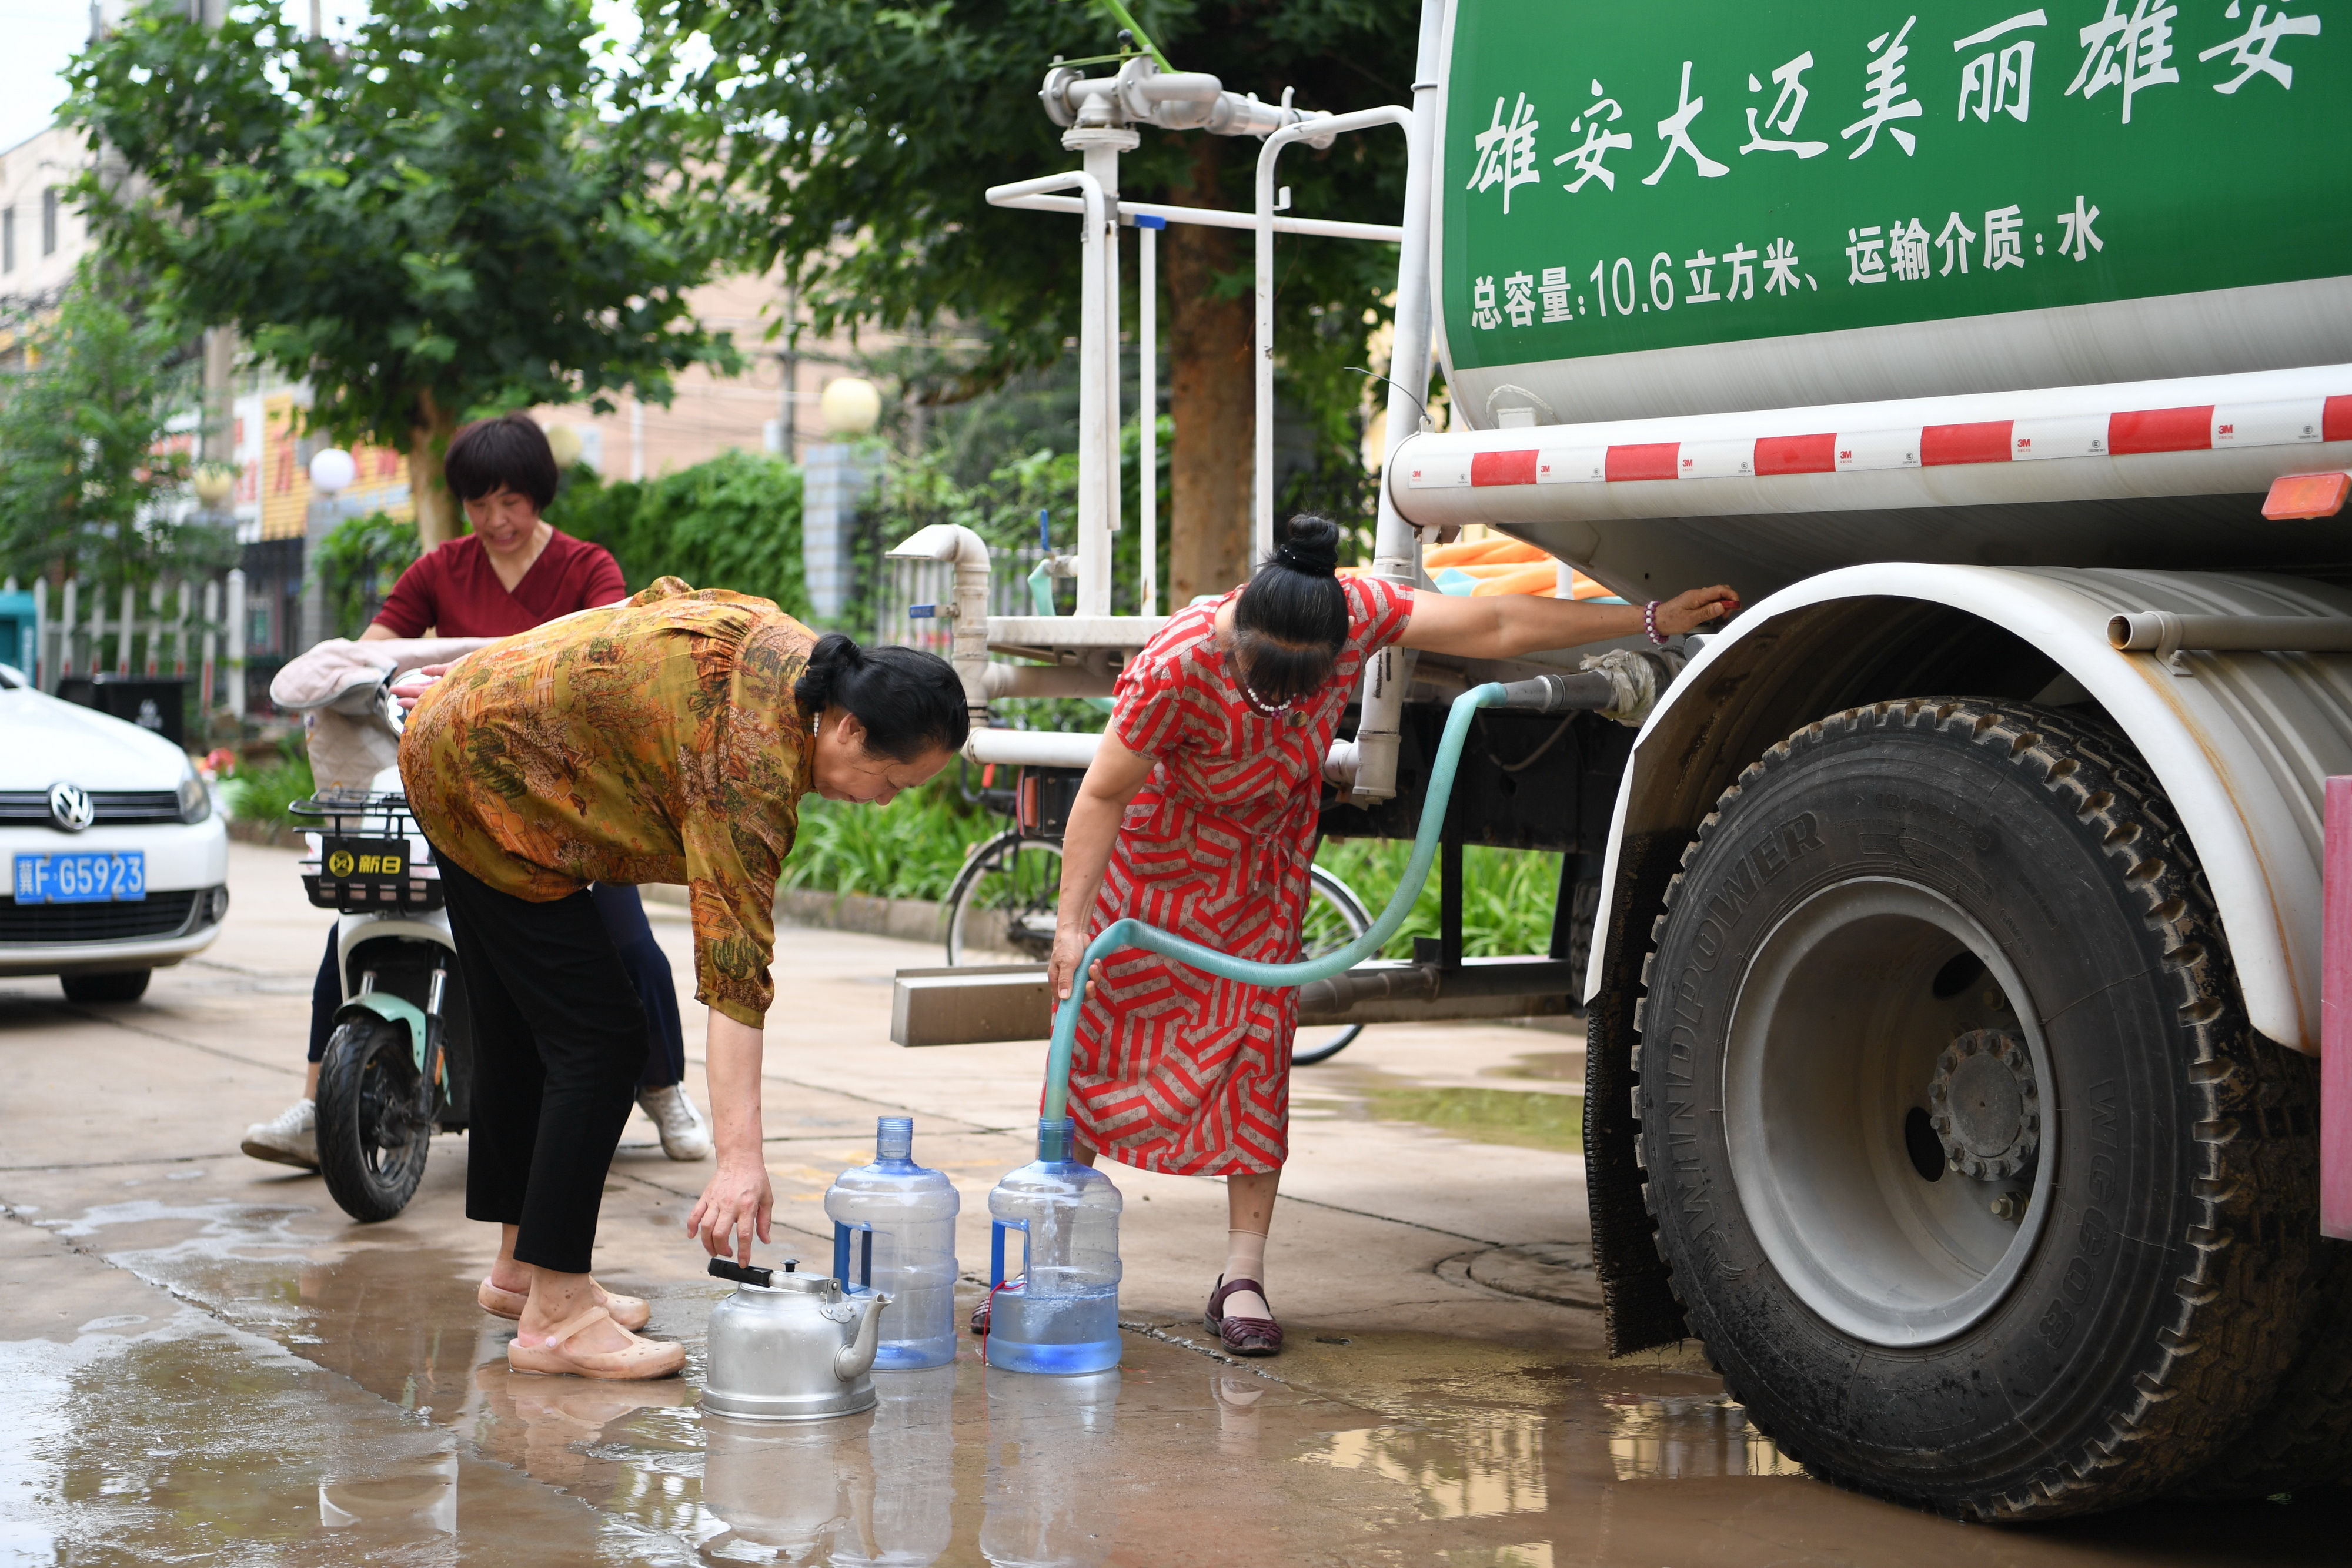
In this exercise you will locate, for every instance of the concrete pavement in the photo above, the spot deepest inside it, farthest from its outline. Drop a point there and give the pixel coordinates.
(201, 1358)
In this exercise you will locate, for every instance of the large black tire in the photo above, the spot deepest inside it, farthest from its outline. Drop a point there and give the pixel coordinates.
(2302, 1442)
(1966, 1165)
(122, 985)
(372, 1149)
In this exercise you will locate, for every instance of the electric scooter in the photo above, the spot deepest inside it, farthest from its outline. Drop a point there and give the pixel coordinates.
(399, 1065)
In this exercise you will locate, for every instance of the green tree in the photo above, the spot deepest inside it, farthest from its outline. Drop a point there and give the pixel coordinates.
(86, 468)
(857, 139)
(462, 208)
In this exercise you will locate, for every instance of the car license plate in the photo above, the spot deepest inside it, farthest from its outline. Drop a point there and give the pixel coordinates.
(96, 876)
(372, 861)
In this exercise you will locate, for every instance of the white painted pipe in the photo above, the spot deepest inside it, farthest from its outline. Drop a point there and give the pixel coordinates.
(1097, 433)
(1388, 674)
(1262, 474)
(1146, 401)
(968, 615)
(1218, 218)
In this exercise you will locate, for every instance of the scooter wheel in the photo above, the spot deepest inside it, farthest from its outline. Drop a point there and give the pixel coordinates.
(371, 1148)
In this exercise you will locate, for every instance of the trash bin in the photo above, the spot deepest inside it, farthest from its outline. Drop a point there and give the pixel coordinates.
(150, 702)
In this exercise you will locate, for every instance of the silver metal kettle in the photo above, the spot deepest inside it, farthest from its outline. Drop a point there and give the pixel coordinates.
(788, 1346)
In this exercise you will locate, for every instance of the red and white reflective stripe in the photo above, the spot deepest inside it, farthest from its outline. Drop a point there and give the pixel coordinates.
(2128, 433)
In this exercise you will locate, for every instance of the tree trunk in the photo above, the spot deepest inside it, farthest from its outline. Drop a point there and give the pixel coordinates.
(1211, 398)
(428, 444)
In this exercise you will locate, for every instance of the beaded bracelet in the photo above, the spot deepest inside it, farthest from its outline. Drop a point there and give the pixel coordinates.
(1650, 623)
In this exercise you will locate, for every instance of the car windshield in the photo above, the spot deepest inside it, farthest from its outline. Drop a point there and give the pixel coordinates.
(12, 678)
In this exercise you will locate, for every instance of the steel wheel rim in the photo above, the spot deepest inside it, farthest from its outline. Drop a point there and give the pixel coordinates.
(1832, 1040)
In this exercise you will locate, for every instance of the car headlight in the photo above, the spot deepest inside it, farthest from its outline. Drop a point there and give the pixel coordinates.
(196, 801)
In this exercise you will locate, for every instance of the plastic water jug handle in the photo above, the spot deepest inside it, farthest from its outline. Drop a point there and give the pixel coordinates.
(841, 1229)
(996, 1229)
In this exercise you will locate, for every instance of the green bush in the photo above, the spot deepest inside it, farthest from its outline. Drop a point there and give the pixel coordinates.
(731, 522)
(1506, 894)
(262, 794)
(912, 848)
(358, 563)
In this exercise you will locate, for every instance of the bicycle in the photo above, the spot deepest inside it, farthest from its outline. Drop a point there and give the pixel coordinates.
(1008, 895)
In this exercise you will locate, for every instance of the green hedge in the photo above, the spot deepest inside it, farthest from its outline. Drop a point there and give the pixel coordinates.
(731, 522)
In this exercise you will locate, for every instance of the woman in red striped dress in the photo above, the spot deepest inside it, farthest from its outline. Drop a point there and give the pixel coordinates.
(1198, 815)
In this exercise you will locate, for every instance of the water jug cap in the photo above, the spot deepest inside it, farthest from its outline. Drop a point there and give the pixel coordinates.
(894, 1137)
(1054, 1138)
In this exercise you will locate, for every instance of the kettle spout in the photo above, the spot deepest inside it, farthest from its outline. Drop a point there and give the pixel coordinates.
(857, 1358)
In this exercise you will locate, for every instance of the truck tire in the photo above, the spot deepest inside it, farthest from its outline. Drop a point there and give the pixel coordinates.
(1966, 1165)
(2302, 1442)
(371, 1149)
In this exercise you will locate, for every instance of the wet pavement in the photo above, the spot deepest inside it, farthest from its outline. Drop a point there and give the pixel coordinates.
(202, 1360)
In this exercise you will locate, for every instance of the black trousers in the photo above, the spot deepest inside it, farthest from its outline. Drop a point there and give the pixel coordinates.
(558, 1044)
(623, 913)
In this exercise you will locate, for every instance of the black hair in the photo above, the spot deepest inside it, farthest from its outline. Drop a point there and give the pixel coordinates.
(909, 701)
(508, 452)
(1292, 619)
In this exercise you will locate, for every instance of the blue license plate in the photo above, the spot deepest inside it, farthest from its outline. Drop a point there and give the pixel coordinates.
(99, 876)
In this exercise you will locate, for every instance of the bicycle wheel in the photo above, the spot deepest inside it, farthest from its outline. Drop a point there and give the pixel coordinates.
(1335, 917)
(1005, 899)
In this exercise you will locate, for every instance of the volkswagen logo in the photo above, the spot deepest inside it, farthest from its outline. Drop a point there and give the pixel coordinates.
(70, 807)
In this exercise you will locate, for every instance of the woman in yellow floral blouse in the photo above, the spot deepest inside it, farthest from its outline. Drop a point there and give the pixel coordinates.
(668, 738)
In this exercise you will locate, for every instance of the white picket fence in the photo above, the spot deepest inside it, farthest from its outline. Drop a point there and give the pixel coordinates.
(180, 629)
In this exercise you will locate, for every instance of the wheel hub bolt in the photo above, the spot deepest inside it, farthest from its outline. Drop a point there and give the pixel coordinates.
(1986, 1104)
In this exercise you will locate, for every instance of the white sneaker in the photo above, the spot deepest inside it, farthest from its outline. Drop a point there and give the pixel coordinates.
(291, 1138)
(684, 1134)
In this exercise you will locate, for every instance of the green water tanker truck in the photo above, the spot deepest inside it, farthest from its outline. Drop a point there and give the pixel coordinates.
(1962, 950)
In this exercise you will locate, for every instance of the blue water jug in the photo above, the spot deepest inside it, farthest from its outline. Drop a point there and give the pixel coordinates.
(1059, 1312)
(894, 1231)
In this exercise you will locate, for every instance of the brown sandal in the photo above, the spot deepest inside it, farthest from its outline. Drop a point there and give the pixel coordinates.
(630, 1311)
(638, 1358)
(1242, 1336)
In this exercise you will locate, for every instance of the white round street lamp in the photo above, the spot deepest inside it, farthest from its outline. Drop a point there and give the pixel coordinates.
(332, 470)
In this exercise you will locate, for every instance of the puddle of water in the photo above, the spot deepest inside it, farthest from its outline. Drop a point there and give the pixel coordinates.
(377, 1422)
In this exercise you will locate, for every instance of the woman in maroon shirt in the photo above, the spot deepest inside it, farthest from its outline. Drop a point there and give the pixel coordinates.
(513, 573)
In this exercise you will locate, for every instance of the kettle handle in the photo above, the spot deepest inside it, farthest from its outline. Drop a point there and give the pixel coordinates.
(745, 1274)
(996, 1229)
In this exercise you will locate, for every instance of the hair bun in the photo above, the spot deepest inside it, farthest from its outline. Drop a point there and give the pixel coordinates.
(1309, 544)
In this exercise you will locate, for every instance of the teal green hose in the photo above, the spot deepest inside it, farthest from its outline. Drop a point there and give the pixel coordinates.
(1136, 933)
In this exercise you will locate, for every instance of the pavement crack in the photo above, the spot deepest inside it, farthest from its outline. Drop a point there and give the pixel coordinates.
(87, 1016)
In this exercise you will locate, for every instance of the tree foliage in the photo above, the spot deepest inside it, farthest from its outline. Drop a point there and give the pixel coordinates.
(87, 471)
(460, 208)
(857, 139)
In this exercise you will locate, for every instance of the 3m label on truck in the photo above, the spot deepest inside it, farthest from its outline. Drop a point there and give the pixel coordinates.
(1626, 177)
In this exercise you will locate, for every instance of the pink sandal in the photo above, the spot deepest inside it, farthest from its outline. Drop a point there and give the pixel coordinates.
(630, 1311)
(639, 1358)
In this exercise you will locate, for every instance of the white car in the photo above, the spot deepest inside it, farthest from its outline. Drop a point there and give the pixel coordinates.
(117, 866)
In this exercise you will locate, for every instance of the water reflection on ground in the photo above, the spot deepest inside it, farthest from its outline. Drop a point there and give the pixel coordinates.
(274, 1407)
